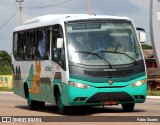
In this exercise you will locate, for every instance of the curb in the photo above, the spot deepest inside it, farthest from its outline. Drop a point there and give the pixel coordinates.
(153, 97)
(5, 92)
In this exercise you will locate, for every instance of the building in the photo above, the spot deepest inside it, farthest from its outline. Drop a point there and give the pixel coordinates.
(153, 72)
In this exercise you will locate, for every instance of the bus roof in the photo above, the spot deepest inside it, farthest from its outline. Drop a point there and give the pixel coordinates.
(47, 20)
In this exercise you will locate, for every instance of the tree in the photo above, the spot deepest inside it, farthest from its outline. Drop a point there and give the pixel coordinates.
(5, 63)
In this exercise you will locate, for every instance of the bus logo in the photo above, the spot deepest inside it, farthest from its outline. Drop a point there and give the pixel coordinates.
(110, 82)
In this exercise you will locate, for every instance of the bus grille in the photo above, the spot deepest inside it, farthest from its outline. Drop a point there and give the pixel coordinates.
(110, 96)
(109, 73)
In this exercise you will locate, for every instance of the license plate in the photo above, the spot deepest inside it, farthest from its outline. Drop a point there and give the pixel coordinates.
(110, 103)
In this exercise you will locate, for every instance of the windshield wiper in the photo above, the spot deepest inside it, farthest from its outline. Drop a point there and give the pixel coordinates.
(122, 54)
(86, 52)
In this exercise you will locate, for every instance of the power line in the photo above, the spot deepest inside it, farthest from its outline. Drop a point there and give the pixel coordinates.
(42, 7)
(34, 8)
(9, 19)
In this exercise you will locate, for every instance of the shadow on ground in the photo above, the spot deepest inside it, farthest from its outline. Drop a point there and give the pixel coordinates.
(79, 111)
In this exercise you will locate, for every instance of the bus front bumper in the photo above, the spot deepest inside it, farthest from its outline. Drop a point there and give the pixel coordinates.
(73, 96)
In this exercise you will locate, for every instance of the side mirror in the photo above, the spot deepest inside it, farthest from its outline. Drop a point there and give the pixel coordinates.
(141, 35)
(59, 43)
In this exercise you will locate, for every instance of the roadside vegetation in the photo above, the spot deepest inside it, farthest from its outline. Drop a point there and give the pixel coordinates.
(153, 93)
(5, 63)
(146, 46)
(8, 89)
(5, 69)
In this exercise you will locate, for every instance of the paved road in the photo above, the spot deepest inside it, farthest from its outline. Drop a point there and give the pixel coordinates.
(13, 105)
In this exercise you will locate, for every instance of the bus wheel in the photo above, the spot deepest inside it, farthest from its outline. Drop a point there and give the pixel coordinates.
(33, 105)
(61, 107)
(128, 107)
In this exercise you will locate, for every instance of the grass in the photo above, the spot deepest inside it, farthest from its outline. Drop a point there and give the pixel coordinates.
(6, 89)
(153, 93)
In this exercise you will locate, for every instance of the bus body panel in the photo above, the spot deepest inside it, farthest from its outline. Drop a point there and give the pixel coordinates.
(40, 76)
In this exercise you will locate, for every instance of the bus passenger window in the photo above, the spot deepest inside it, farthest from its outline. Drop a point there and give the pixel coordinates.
(42, 44)
(18, 46)
(15, 45)
(21, 46)
(47, 46)
(29, 45)
(54, 50)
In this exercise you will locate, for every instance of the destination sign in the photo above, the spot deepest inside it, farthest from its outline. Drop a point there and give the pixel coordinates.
(86, 26)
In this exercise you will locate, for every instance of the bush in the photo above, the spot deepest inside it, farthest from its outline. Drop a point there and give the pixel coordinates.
(145, 46)
(153, 93)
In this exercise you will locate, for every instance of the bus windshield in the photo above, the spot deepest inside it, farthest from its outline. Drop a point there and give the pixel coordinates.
(114, 41)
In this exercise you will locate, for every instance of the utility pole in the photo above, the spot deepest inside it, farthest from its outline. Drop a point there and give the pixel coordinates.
(89, 7)
(20, 10)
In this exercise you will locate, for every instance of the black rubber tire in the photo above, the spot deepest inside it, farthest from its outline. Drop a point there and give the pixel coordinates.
(32, 104)
(61, 108)
(128, 107)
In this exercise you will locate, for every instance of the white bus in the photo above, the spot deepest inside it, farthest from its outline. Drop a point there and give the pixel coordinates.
(79, 60)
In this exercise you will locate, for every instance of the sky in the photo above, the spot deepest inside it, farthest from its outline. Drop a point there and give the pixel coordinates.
(136, 10)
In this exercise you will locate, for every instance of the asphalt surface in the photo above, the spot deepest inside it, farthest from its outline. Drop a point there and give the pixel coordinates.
(15, 106)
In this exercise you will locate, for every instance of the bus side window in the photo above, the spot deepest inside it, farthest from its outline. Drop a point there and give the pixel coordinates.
(47, 46)
(37, 37)
(58, 55)
(54, 48)
(29, 45)
(18, 47)
(21, 46)
(15, 45)
(42, 44)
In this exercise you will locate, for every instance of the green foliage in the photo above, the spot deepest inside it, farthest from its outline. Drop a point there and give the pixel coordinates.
(145, 46)
(5, 63)
(6, 89)
(153, 93)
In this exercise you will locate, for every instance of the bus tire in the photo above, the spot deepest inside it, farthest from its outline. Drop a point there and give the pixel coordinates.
(128, 107)
(33, 105)
(61, 107)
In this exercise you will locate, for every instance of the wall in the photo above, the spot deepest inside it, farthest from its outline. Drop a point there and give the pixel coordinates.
(6, 81)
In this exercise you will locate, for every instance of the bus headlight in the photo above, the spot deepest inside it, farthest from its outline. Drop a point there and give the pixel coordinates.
(139, 83)
(79, 85)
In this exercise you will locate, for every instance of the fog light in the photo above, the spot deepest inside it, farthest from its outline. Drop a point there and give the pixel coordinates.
(80, 99)
(139, 97)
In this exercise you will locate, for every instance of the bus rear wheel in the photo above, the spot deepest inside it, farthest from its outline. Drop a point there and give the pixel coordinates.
(128, 107)
(33, 105)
